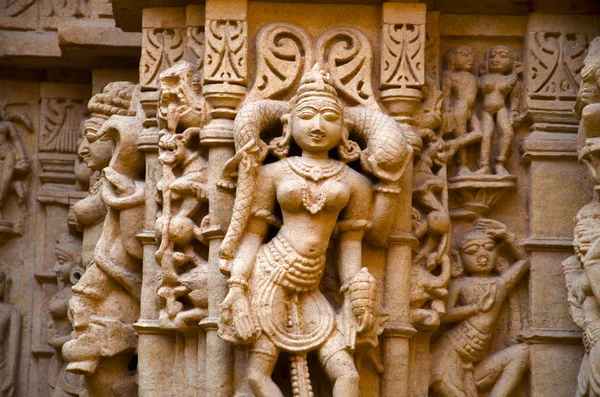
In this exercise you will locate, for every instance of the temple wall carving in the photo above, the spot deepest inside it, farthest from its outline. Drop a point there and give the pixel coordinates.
(233, 198)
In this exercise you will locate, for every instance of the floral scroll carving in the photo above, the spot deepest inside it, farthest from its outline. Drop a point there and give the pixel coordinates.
(287, 53)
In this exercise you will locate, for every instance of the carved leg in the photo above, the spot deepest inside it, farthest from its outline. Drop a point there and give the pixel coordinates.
(461, 155)
(503, 371)
(487, 127)
(261, 363)
(507, 134)
(450, 376)
(339, 366)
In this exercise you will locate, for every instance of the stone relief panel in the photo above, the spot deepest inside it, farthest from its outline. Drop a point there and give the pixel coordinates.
(293, 230)
(105, 301)
(14, 122)
(10, 331)
(580, 269)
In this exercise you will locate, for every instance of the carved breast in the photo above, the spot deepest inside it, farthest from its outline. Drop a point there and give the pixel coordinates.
(290, 194)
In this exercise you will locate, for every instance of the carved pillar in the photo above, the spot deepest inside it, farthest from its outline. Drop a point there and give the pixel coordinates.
(554, 54)
(402, 75)
(63, 107)
(225, 82)
(163, 35)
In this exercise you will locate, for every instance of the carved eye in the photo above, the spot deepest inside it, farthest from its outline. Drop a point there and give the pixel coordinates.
(306, 115)
(489, 246)
(471, 249)
(330, 116)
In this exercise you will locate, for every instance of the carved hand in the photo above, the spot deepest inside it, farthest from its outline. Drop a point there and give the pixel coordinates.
(22, 165)
(493, 228)
(365, 319)
(235, 310)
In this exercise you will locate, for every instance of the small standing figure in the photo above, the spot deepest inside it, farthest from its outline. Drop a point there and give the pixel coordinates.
(10, 340)
(501, 98)
(459, 86)
(68, 271)
(14, 163)
(460, 365)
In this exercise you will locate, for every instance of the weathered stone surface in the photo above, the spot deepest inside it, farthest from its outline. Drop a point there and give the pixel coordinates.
(282, 198)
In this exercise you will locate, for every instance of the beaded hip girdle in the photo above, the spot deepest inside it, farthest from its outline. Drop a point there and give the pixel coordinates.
(470, 343)
(288, 268)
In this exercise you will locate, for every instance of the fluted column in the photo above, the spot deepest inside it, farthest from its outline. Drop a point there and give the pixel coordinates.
(225, 84)
(401, 78)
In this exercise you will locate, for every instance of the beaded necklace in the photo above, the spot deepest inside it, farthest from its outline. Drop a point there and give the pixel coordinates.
(311, 176)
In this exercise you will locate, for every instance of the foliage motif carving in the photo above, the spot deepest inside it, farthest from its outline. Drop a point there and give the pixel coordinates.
(60, 125)
(161, 49)
(286, 54)
(403, 50)
(555, 61)
(225, 59)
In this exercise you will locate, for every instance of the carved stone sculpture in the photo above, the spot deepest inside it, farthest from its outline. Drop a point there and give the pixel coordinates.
(105, 302)
(582, 286)
(14, 164)
(96, 152)
(431, 218)
(581, 269)
(500, 91)
(184, 194)
(461, 364)
(459, 86)
(68, 272)
(274, 302)
(10, 339)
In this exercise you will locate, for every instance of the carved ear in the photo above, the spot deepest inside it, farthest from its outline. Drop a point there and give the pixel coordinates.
(456, 264)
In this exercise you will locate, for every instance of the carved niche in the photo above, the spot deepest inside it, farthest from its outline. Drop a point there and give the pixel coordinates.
(274, 302)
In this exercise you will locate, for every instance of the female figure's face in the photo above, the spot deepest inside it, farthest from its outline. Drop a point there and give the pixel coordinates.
(479, 255)
(96, 149)
(62, 268)
(317, 125)
(499, 60)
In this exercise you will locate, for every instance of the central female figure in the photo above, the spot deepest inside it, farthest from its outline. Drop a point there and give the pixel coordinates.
(274, 301)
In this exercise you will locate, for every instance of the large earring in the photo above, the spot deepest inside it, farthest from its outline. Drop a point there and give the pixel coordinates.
(76, 274)
(280, 146)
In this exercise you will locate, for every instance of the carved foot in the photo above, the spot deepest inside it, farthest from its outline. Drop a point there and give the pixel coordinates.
(463, 170)
(483, 170)
(500, 170)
